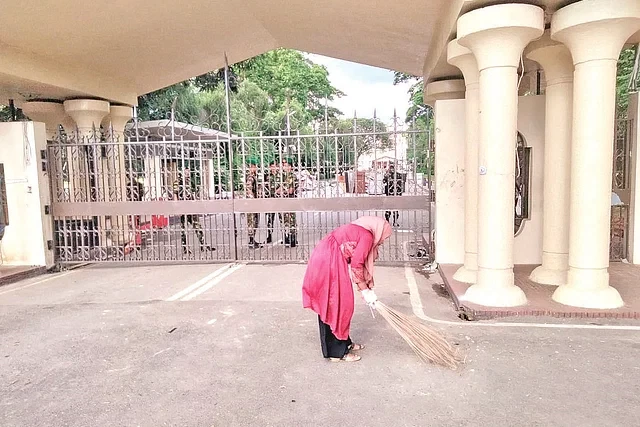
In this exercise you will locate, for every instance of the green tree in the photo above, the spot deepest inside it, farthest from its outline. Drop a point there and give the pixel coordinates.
(623, 79)
(286, 74)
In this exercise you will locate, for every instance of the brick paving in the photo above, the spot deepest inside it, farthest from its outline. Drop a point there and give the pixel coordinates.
(624, 277)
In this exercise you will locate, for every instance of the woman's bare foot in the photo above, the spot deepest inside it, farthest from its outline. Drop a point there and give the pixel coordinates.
(349, 357)
(356, 347)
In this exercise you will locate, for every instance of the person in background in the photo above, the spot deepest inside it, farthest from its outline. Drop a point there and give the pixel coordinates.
(328, 286)
(392, 182)
(270, 184)
(251, 192)
(288, 188)
(184, 189)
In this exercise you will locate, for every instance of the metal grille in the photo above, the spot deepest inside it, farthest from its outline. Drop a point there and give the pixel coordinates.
(173, 192)
(619, 233)
(621, 186)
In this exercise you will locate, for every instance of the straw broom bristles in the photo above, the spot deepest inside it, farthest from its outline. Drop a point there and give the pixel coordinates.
(427, 343)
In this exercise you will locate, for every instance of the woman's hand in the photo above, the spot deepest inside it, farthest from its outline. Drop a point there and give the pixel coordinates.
(369, 297)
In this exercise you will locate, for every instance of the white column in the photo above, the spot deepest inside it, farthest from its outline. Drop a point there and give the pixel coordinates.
(556, 61)
(497, 35)
(461, 57)
(52, 114)
(87, 113)
(114, 166)
(442, 90)
(594, 31)
(449, 159)
(114, 124)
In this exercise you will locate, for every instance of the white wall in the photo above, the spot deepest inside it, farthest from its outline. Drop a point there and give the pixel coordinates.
(527, 247)
(449, 140)
(634, 207)
(25, 239)
(449, 176)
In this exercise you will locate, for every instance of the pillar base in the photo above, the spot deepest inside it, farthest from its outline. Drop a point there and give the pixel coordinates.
(548, 276)
(588, 289)
(468, 273)
(464, 275)
(497, 290)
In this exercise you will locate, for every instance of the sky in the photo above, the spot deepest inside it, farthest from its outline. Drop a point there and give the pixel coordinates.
(366, 88)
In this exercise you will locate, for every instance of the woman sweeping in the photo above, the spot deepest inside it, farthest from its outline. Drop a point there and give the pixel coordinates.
(328, 286)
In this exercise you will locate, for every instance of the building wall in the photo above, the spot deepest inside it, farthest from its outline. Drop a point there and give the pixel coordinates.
(25, 239)
(634, 207)
(449, 141)
(528, 244)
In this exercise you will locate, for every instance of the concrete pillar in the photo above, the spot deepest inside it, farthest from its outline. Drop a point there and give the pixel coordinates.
(52, 114)
(114, 124)
(497, 36)
(594, 31)
(461, 57)
(87, 114)
(114, 167)
(443, 89)
(556, 61)
(449, 154)
(85, 165)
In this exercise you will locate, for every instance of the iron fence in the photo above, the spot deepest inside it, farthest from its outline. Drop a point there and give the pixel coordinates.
(190, 193)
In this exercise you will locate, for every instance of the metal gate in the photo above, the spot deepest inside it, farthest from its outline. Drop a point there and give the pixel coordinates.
(621, 189)
(169, 191)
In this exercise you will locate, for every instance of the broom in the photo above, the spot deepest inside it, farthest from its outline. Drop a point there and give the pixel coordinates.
(427, 343)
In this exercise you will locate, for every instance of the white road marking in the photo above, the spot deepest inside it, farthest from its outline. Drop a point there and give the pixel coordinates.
(212, 321)
(46, 279)
(211, 283)
(161, 351)
(119, 370)
(199, 283)
(418, 310)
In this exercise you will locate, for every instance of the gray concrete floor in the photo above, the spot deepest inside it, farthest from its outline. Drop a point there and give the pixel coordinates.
(131, 346)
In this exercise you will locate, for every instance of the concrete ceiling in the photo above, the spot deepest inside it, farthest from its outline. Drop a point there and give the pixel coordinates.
(120, 49)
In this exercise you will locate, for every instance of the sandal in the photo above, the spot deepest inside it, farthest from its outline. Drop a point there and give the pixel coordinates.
(349, 357)
(356, 347)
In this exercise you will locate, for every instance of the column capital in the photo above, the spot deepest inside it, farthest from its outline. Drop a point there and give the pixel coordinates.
(443, 89)
(50, 113)
(462, 58)
(554, 57)
(498, 34)
(118, 117)
(596, 29)
(87, 113)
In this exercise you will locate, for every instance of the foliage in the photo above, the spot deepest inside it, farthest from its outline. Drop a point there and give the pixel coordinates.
(420, 119)
(5, 114)
(625, 70)
(287, 75)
